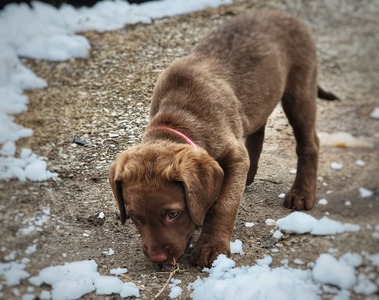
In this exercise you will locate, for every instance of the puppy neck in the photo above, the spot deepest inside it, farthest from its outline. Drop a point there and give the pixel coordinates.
(180, 134)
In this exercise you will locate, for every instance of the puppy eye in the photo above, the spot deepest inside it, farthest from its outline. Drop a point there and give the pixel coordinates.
(173, 214)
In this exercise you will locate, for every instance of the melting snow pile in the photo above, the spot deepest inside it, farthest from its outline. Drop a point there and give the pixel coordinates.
(70, 281)
(259, 281)
(73, 280)
(300, 223)
(225, 281)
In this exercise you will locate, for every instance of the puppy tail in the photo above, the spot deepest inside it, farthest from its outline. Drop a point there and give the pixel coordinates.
(322, 94)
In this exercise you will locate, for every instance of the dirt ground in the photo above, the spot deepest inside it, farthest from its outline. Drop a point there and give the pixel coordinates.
(105, 100)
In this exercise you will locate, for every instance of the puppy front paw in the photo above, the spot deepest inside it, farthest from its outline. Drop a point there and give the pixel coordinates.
(207, 249)
(299, 199)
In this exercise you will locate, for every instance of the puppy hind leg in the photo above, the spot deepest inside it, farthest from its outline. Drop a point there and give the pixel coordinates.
(254, 144)
(300, 108)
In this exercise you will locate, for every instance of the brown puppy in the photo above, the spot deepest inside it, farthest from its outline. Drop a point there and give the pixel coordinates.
(204, 139)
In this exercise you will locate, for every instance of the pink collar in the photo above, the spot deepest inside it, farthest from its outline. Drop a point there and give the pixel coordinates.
(186, 138)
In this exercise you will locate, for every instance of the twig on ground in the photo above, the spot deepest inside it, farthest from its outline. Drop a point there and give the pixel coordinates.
(168, 280)
(270, 180)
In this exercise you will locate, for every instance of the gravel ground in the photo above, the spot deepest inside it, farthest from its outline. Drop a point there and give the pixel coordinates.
(105, 101)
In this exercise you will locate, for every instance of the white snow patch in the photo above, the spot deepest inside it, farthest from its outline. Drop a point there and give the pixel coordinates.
(342, 295)
(374, 258)
(375, 113)
(236, 247)
(258, 282)
(298, 261)
(326, 226)
(328, 270)
(45, 295)
(175, 290)
(249, 224)
(36, 223)
(299, 223)
(67, 272)
(75, 279)
(118, 271)
(28, 297)
(31, 249)
(72, 289)
(332, 250)
(25, 167)
(10, 256)
(323, 201)
(129, 289)
(277, 234)
(109, 252)
(360, 163)
(365, 193)
(13, 272)
(108, 285)
(365, 286)
(352, 259)
(270, 222)
(336, 165)
(265, 262)
(16, 292)
(30, 289)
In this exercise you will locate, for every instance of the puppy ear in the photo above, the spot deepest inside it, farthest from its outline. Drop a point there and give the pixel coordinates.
(202, 178)
(115, 179)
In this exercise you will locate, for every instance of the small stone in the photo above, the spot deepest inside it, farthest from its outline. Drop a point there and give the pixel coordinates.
(79, 141)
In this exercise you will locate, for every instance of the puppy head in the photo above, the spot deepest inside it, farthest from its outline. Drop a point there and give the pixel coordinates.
(166, 189)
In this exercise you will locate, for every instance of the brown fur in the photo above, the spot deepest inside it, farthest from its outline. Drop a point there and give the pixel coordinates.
(220, 96)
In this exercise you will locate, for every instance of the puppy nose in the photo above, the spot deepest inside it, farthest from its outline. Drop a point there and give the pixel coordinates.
(158, 258)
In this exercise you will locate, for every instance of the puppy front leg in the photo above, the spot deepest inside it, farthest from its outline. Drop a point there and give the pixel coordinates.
(219, 220)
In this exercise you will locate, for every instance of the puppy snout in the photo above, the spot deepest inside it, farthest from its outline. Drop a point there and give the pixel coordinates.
(157, 254)
(158, 258)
